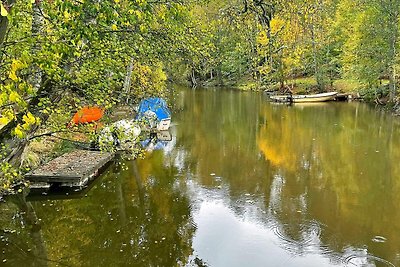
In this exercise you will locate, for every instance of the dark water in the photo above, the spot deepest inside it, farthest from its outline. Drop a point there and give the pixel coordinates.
(242, 183)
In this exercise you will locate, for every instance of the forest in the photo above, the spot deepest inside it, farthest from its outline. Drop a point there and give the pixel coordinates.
(59, 55)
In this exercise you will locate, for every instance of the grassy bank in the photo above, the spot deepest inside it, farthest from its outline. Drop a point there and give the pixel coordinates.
(301, 85)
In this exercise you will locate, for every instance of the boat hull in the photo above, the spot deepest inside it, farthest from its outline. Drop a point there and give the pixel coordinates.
(314, 98)
(305, 98)
(164, 124)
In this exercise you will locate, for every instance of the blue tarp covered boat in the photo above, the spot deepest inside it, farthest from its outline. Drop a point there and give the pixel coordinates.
(154, 111)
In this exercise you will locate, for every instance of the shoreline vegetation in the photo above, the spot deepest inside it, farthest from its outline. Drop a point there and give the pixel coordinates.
(58, 56)
(308, 85)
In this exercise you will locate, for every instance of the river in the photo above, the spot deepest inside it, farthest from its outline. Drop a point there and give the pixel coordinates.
(243, 182)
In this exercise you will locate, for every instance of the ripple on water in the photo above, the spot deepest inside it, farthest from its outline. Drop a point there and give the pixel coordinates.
(365, 260)
(379, 239)
(300, 238)
(308, 241)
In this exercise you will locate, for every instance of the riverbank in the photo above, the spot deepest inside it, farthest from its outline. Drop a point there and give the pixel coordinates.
(308, 85)
(299, 85)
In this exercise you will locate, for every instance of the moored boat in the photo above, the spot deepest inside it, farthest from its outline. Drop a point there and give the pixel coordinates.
(154, 111)
(305, 98)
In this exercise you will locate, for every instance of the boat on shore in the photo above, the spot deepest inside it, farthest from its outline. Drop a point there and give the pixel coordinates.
(322, 97)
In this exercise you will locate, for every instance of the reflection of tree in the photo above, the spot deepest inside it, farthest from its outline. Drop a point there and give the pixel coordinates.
(21, 239)
(134, 217)
(218, 133)
(326, 189)
(336, 169)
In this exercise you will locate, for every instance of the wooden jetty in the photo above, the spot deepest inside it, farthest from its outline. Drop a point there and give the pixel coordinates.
(74, 169)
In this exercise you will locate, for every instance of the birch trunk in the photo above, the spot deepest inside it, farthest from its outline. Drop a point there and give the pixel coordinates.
(37, 30)
(394, 17)
(128, 78)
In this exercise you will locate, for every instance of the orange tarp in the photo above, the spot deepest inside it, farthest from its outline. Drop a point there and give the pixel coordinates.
(86, 115)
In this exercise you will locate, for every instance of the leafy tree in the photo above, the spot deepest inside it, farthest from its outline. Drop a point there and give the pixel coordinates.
(59, 55)
(370, 46)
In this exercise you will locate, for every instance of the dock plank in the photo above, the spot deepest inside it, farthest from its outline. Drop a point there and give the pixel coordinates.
(74, 169)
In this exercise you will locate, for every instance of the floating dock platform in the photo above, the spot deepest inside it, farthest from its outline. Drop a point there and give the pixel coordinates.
(74, 169)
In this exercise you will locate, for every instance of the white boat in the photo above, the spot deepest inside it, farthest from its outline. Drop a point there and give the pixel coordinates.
(155, 113)
(305, 98)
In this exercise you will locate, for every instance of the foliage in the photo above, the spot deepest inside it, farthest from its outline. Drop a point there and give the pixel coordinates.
(57, 56)
(280, 40)
(11, 177)
(147, 81)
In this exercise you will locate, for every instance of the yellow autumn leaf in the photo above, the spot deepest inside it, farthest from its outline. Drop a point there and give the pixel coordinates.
(26, 126)
(3, 98)
(4, 121)
(3, 10)
(16, 65)
(13, 76)
(276, 25)
(138, 14)
(262, 38)
(114, 27)
(14, 97)
(66, 15)
(8, 114)
(18, 132)
(29, 118)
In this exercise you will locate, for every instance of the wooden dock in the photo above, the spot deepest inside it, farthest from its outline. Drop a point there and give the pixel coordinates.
(74, 169)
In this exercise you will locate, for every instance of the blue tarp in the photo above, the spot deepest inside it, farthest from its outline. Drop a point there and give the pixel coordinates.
(156, 105)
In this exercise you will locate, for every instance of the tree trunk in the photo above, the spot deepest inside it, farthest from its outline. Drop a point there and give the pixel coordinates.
(37, 30)
(193, 79)
(31, 220)
(128, 78)
(317, 72)
(4, 20)
(392, 56)
(16, 146)
(3, 29)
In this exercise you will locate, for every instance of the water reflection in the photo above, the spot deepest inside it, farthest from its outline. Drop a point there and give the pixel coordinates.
(21, 238)
(134, 216)
(343, 162)
(323, 171)
(242, 182)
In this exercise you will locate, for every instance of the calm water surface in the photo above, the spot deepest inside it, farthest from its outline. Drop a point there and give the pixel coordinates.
(243, 182)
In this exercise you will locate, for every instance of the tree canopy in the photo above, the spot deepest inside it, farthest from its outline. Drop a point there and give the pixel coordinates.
(56, 56)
